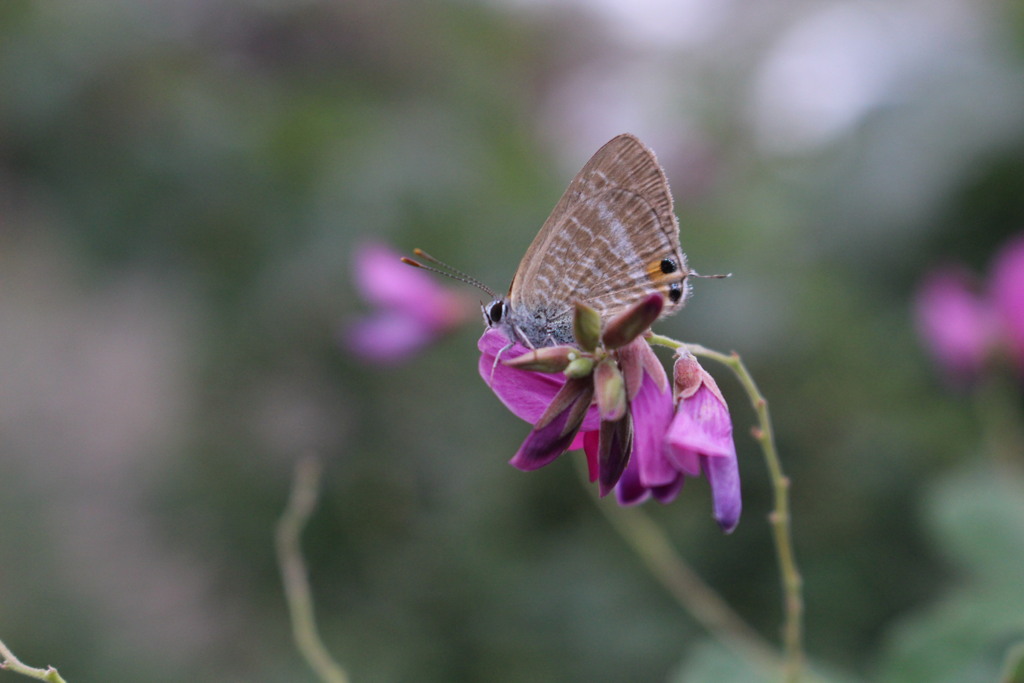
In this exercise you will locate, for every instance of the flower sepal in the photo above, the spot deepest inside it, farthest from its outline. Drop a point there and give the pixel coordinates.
(610, 390)
(557, 427)
(633, 322)
(547, 359)
(580, 367)
(586, 327)
(614, 446)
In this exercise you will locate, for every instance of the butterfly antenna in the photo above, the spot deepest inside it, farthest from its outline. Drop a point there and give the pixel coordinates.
(447, 271)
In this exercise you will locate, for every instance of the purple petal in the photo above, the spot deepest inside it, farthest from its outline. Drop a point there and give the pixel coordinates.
(577, 443)
(590, 443)
(652, 415)
(385, 281)
(954, 323)
(668, 492)
(684, 460)
(651, 407)
(724, 477)
(701, 425)
(387, 337)
(546, 443)
(542, 446)
(527, 394)
(701, 432)
(629, 490)
(615, 443)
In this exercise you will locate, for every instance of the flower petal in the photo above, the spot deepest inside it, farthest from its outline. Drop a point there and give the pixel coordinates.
(724, 476)
(589, 442)
(954, 323)
(387, 337)
(702, 425)
(668, 492)
(652, 414)
(629, 490)
(526, 394)
(615, 443)
(385, 281)
(684, 460)
(557, 428)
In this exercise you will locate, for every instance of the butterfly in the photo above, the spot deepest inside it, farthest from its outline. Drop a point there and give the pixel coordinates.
(611, 240)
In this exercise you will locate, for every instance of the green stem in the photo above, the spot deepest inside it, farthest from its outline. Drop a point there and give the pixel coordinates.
(9, 662)
(705, 605)
(294, 575)
(792, 583)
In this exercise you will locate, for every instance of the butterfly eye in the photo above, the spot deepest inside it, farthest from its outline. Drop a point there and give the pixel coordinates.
(495, 312)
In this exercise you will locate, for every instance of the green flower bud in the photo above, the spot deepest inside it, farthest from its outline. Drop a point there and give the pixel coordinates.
(586, 327)
(580, 367)
(610, 390)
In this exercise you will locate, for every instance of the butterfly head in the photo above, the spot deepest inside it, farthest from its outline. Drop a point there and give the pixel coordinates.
(498, 315)
(495, 312)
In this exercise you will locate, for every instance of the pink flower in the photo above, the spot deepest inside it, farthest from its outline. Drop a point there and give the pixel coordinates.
(646, 453)
(698, 439)
(1006, 289)
(955, 323)
(411, 308)
(528, 395)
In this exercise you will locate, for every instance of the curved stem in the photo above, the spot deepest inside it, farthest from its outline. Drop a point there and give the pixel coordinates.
(294, 575)
(8, 662)
(792, 583)
(705, 605)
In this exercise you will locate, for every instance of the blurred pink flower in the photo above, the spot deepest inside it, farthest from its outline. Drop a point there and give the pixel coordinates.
(966, 330)
(955, 323)
(1006, 289)
(411, 309)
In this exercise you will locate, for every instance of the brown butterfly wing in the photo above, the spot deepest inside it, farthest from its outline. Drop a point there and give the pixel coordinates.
(611, 239)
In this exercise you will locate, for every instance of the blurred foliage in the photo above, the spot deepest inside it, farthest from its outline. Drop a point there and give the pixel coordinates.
(181, 184)
(978, 518)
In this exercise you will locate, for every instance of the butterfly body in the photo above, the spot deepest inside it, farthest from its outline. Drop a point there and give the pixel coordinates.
(611, 240)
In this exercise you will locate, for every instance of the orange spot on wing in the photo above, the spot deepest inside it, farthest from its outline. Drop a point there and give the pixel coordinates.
(654, 273)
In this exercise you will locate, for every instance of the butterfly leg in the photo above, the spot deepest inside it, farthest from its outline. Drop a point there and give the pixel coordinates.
(498, 357)
(523, 338)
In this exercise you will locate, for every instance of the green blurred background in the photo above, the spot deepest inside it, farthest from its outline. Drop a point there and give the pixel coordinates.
(182, 183)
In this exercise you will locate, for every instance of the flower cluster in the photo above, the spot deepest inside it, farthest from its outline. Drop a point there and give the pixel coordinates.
(965, 326)
(411, 310)
(610, 396)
